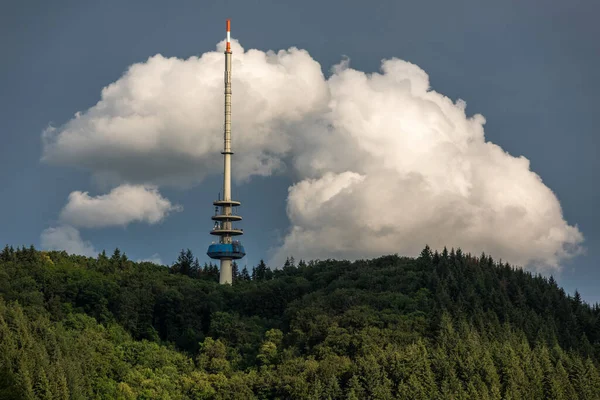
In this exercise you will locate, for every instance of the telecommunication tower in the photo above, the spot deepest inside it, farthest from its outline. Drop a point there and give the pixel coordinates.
(226, 249)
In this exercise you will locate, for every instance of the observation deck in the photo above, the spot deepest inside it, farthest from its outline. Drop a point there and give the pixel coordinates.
(233, 250)
(226, 217)
(219, 231)
(227, 203)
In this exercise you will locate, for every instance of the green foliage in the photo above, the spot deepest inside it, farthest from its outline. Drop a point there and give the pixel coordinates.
(441, 326)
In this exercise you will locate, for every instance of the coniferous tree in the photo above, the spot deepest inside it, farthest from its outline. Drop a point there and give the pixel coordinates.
(445, 253)
(235, 271)
(195, 270)
(261, 271)
(5, 254)
(115, 260)
(244, 274)
(214, 270)
(426, 255)
(185, 263)
(188, 268)
(355, 389)
(269, 274)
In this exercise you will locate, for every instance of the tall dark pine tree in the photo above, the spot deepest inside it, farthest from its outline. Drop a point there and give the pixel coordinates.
(196, 269)
(425, 256)
(244, 274)
(235, 271)
(115, 260)
(103, 262)
(459, 254)
(124, 259)
(213, 270)
(261, 271)
(116, 257)
(185, 263)
(7, 253)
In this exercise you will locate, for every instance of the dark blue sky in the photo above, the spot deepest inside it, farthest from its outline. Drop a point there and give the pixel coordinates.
(530, 67)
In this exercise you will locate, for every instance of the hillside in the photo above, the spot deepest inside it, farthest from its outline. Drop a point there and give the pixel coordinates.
(443, 326)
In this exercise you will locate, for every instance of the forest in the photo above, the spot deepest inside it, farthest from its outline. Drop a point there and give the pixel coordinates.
(443, 325)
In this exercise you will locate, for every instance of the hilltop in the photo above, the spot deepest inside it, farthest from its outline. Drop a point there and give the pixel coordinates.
(443, 325)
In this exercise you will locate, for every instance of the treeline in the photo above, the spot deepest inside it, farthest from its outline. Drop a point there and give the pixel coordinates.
(441, 326)
(189, 265)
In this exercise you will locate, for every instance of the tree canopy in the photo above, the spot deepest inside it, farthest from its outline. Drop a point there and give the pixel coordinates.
(440, 326)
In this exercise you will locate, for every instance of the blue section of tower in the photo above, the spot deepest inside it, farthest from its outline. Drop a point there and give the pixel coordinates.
(233, 250)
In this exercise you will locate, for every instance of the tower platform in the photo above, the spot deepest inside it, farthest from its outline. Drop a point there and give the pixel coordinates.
(227, 232)
(227, 203)
(233, 250)
(226, 217)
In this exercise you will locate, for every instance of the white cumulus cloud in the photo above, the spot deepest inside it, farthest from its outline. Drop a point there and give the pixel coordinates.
(382, 163)
(121, 206)
(416, 169)
(162, 121)
(66, 238)
(154, 258)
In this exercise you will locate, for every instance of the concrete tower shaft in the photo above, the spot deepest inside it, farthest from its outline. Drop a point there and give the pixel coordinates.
(227, 249)
(227, 128)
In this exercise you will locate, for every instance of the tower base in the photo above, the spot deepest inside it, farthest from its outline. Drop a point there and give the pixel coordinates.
(225, 276)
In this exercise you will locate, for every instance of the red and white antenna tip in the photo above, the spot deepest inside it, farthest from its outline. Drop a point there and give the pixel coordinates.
(228, 36)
